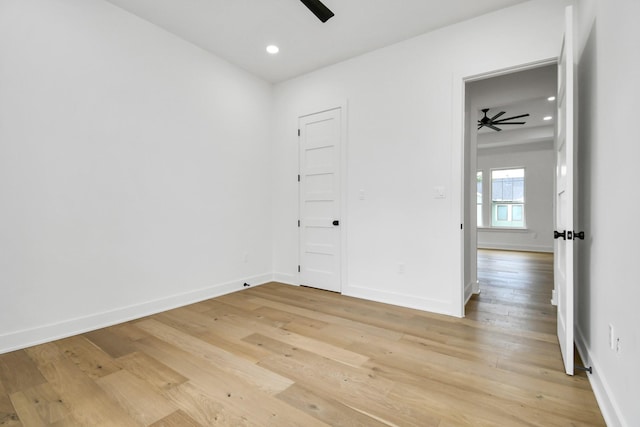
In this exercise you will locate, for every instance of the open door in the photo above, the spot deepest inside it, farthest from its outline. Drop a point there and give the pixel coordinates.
(564, 212)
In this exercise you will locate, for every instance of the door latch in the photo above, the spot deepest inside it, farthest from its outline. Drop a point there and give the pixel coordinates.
(336, 222)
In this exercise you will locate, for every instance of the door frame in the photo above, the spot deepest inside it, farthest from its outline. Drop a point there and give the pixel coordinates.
(460, 128)
(344, 223)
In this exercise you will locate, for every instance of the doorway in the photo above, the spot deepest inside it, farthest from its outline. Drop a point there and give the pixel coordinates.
(320, 183)
(509, 165)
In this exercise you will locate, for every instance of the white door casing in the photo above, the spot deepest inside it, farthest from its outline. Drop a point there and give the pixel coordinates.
(565, 194)
(319, 188)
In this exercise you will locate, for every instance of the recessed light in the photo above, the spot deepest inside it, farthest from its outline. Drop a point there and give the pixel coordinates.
(547, 118)
(551, 98)
(273, 49)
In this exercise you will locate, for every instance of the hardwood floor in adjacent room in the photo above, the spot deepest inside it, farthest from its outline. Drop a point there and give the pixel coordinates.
(515, 291)
(278, 355)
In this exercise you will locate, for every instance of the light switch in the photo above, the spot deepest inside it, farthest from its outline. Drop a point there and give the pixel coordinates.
(438, 192)
(361, 195)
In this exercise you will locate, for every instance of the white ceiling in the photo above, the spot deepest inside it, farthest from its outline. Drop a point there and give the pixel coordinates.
(517, 93)
(538, 108)
(240, 30)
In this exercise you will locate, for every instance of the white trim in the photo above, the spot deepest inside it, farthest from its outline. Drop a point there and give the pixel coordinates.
(604, 396)
(511, 229)
(489, 145)
(469, 291)
(510, 70)
(286, 278)
(403, 300)
(46, 333)
(458, 175)
(515, 247)
(459, 81)
(344, 172)
(290, 284)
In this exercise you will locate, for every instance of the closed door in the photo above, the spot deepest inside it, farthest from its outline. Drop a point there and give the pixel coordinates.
(565, 172)
(319, 139)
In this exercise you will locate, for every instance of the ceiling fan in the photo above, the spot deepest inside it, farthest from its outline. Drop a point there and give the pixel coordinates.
(493, 123)
(319, 9)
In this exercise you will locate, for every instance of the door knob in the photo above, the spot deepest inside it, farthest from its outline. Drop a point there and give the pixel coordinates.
(336, 222)
(557, 235)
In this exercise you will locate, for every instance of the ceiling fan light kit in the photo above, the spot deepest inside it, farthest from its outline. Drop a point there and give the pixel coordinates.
(319, 9)
(493, 122)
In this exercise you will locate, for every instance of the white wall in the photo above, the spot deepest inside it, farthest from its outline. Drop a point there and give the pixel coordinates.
(405, 115)
(133, 170)
(538, 160)
(608, 289)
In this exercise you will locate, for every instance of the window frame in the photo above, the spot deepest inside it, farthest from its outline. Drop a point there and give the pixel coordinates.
(480, 206)
(494, 205)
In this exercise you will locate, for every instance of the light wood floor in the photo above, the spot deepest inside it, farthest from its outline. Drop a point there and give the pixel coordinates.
(278, 355)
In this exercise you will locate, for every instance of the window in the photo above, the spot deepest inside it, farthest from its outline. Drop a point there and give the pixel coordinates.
(507, 198)
(479, 198)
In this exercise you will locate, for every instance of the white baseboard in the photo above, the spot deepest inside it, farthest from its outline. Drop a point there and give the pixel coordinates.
(45, 333)
(403, 300)
(287, 279)
(515, 247)
(608, 406)
(470, 289)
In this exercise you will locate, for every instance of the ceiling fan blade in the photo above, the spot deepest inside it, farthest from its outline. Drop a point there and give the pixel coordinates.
(319, 9)
(493, 127)
(511, 123)
(514, 117)
(497, 115)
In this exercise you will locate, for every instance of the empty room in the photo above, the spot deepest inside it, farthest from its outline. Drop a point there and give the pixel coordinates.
(264, 212)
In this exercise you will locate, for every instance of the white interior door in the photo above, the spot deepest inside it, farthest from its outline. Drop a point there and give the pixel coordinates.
(565, 173)
(319, 138)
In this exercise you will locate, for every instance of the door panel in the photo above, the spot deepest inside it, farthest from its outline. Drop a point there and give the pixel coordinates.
(319, 140)
(564, 220)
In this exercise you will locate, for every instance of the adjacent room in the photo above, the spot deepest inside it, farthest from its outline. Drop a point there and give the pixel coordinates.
(266, 212)
(511, 169)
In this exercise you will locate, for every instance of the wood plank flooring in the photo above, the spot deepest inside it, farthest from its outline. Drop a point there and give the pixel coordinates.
(277, 355)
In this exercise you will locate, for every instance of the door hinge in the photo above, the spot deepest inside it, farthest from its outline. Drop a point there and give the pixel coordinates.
(298, 223)
(460, 226)
(298, 269)
(298, 132)
(298, 177)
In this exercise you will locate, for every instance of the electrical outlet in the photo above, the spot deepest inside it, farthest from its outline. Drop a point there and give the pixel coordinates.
(245, 257)
(401, 268)
(618, 346)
